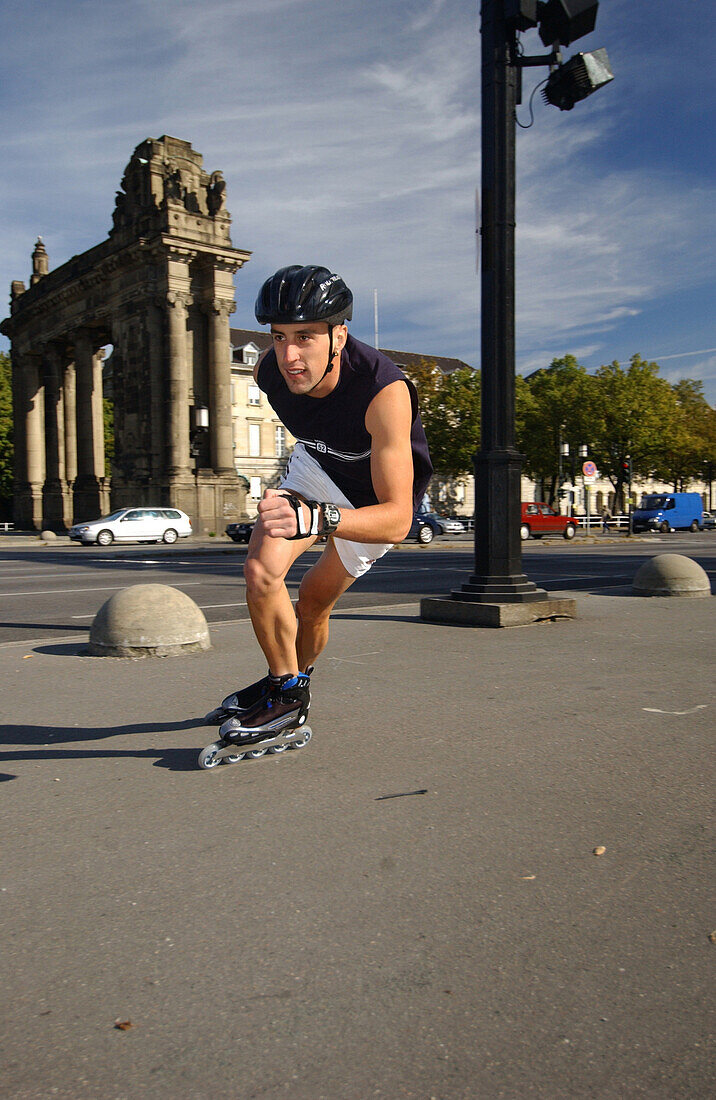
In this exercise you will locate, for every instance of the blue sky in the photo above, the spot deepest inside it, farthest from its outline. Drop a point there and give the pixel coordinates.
(349, 135)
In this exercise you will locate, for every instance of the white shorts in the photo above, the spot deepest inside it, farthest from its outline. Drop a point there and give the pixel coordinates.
(306, 477)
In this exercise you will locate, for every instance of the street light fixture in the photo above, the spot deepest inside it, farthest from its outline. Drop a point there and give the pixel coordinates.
(201, 427)
(577, 78)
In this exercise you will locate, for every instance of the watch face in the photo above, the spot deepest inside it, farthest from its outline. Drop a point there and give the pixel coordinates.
(331, 517)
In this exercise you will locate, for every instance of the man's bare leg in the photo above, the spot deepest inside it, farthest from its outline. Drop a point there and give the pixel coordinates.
(321, 587)
(270, 607)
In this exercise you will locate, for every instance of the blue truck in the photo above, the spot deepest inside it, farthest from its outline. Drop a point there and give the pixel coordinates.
(669, 512)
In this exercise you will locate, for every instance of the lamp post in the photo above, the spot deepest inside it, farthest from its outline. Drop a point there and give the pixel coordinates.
(563, 453)
(498, 575)
(197, 433)
(498, 580)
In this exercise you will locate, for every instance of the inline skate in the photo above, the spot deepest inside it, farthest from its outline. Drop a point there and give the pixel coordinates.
(273, 724)
(243, 699)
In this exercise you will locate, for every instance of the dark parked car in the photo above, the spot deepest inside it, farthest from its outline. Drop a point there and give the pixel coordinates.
(240, 532)
(425, 527)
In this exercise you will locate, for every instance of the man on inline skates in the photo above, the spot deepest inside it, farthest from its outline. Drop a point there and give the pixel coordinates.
(358, 471)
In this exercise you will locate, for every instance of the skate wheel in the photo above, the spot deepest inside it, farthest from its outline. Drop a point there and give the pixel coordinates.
(234, 758)
(256, 754)
(306, 735)
(276, 749)
(208, 757)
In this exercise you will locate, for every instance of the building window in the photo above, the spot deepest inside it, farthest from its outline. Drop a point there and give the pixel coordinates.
(255, 488)
(280, 441)
(254, 394)
(254, 440)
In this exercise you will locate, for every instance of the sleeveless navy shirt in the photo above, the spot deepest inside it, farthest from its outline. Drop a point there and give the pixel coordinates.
(332, 428)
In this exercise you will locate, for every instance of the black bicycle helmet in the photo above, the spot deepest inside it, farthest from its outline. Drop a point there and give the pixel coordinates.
(297, 294)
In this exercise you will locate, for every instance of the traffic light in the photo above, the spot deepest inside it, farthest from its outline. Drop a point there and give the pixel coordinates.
(626, 469)
(522, 14)
(564, 21)
(561, 22)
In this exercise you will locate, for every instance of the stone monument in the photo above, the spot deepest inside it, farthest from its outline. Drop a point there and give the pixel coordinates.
(160, 291)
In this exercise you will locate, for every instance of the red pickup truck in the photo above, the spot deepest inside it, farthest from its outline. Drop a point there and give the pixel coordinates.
(539, 519)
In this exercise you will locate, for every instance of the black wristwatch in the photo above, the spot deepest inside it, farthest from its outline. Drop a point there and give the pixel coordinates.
(331, 518)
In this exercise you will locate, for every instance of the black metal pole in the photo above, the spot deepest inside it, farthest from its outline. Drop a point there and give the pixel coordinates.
(498, 575)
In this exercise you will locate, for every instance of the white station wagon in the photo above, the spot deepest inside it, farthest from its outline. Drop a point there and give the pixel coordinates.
(134, 525)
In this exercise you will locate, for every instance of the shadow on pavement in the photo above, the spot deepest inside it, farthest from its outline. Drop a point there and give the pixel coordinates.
(47, 736)
(176, 760)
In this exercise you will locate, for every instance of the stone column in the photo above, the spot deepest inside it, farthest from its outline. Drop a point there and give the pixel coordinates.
(30, 494)
(177, 420)
(52, 503)
(98, 412)
(157, 411)
(220, 430)
(69, 390)
(86, 495)
(98, 421)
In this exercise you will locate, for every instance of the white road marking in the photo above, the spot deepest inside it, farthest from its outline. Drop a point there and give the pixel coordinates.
(676, 713)
(96, 588)
(354, 659)
(201, 606)
(63, 639)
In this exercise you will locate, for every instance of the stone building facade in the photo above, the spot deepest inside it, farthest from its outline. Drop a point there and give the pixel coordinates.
(160, 291)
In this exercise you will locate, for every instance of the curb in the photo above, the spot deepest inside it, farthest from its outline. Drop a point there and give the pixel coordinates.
(62, 542)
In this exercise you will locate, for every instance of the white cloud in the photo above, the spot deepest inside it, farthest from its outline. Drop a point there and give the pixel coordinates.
(348, 135)
(702, 369)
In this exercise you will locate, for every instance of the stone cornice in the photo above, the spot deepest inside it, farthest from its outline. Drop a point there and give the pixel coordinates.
(89, 272)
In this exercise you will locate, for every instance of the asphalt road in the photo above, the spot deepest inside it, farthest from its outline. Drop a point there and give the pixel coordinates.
(488, 877)
(48, 593)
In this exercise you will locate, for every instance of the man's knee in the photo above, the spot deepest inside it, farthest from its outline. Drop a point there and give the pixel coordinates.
(261, 580)
(313, 604)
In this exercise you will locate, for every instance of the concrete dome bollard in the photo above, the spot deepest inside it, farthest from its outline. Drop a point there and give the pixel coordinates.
(671, 575)
(148, 620)
(48, 536)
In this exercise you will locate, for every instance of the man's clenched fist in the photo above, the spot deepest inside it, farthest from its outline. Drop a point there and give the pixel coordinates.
(277, 515)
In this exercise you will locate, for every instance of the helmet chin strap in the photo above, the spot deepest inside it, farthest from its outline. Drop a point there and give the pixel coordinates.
(331, 356)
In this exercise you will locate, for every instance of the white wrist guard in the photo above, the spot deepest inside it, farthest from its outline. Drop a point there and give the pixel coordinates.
(323, 519)
(304, 530)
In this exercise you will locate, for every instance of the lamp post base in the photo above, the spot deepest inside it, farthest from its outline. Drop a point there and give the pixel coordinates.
(443, 609)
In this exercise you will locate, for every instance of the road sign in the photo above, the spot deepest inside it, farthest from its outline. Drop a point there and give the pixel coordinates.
(589, 469)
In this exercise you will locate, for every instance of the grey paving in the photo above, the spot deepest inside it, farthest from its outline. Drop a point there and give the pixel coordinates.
(410, 906)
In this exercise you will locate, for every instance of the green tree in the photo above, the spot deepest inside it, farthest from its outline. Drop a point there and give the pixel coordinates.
(555, 406)
(638, 416)
(691, 452)
(6, 437)
(450, 411)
